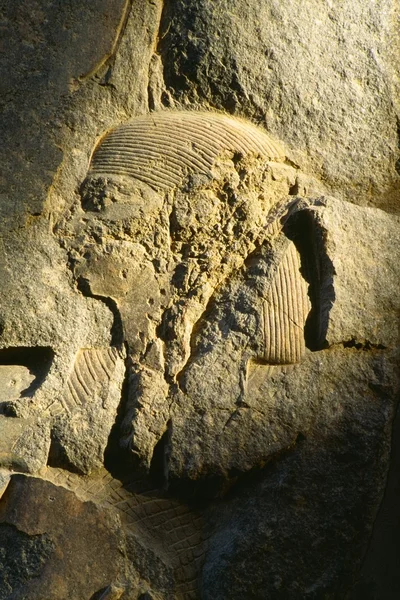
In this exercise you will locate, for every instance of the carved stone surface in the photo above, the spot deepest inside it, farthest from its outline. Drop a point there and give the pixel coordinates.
(199, 335)
(203, 171)
(162, 150)
(91, 396)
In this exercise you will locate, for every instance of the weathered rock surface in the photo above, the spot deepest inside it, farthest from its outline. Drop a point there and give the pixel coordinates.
(71, 548)
(322, 76)
(280, 535)
(90, 401)
(250, 410)
(199, 299)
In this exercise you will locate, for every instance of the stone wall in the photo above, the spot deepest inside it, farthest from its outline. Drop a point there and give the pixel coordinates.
(199, 299)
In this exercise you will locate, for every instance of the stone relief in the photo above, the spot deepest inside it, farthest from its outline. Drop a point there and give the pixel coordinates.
(199, 340)
(218, 281)
(183, 229)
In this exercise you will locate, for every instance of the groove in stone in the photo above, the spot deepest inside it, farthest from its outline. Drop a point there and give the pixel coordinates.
(93, 366)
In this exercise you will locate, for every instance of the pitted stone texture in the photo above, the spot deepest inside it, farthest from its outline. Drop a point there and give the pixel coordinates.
(22, 558)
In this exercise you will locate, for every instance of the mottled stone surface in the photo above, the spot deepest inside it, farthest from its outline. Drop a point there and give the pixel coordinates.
(199, 299)
(71, 547)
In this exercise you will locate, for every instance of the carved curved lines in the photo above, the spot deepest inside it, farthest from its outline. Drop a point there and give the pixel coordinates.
(92, 371)
(159, 149)
(180, 529)
(285, 312)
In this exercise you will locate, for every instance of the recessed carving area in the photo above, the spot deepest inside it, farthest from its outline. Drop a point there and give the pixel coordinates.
(22, 370)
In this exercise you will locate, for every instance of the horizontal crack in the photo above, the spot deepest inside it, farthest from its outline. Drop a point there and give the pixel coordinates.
(362, 345)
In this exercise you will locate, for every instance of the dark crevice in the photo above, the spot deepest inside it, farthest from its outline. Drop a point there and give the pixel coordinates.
(37, 359)
(397, 163)
(159, 461)
(118, 459)
(151, 101)
(166, 99)
(362, 345)
(294, 189)
(101, 594)
(317, 269)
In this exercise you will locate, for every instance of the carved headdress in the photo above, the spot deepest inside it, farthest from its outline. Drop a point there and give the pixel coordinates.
(161, 148)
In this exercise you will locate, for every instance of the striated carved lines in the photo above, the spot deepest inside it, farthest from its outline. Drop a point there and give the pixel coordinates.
(285, 312)
(179, 529)
(93, 369)
(160, 149)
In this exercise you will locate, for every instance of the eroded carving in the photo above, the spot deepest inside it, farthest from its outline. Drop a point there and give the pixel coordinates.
(285, 311)
(175, 531)
(93, 370)
(92, 394)
(214, 285)
(176, 204)
(182, 230)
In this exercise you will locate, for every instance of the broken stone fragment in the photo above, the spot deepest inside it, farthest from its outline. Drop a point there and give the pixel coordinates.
(24, 443)
(71, 548)
(89, 403)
